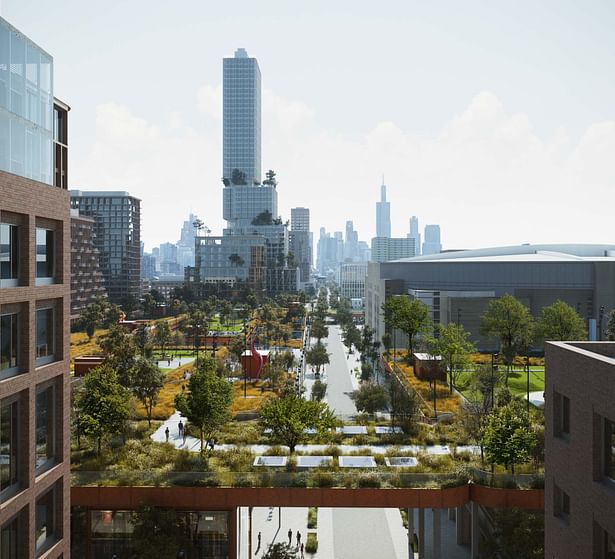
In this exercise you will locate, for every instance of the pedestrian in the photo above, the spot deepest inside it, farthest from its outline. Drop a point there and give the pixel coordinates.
(259, 540)
(290, 537)
(301, 551)
(180, 428)
(166, 433)
(169, 362)
(298, 538)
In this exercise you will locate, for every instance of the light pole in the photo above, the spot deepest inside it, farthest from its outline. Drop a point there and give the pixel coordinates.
(245, 372)
(458, 316)
(527, 366)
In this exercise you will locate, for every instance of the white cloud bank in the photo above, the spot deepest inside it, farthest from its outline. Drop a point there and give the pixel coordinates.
(487, 177)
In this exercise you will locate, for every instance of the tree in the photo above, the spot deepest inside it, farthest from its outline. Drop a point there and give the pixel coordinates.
(510, 321)
(411, 316)
(319, 330)
(404, 404)
(103, 404)
(290, 416)
(207, 401)
(238, 177)
(560, 322)
(142, 338)
(91, 318)
(319, 389)
(197, 326)
(610, 326)
(158, 532)
(517, 533)
(162, 335)
(280, 551)
(236, 260)
(508, 438)
(453, 346)
(317, 356)
(147, 382)
(270, 179)
(120, 351)
(351, 336)
(370, 398)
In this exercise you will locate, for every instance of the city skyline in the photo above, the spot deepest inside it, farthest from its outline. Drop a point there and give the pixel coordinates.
(482, 121)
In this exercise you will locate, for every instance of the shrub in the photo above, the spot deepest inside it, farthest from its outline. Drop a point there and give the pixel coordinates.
(236, 459)
(312, 517)
(369, 480)
(323, 479)
(311, 545)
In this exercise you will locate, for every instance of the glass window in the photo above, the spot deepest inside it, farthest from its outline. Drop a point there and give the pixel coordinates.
(44, 253)
(8, 540)
(45, 525)
(9, 251)
(609, 448)
(9, 347)
(565, 415)
(44, 426)
(8, 444)
(45, 336)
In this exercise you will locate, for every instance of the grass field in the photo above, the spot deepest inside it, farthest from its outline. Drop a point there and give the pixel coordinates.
(229, 326)
(517, 381)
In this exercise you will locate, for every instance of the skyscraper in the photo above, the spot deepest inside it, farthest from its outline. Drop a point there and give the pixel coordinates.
(242, 118)
(414, 234)
(383, 214)
(254, 246)
(117, 238)
(300, 240)
(432, 243)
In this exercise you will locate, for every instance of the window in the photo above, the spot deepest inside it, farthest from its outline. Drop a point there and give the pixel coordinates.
(561, 415)
(44, 427)
(9, 254)
(44, 253)
(45, 521)
(8, 444)
(8, 539)
(561, 504)
(9, 347)
(609, 449)
(565, 415)
(45, 336)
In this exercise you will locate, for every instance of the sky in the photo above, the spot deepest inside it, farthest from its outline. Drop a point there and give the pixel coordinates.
(495, 119)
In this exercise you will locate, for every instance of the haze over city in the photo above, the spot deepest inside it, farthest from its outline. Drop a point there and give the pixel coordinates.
(482, 117)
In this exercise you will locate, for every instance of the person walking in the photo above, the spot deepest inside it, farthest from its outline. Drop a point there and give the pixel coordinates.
(298, 538)
(259, 541)
(290, 537)
(166, 433)
(302, 551)
(180, 428)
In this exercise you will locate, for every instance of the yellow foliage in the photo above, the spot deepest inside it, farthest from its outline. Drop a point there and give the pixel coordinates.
(80, 345)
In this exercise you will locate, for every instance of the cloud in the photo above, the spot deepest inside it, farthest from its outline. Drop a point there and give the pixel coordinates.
(486, 177)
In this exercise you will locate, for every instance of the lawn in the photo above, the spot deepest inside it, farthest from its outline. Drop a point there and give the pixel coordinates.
(229, 326)
(517, 381)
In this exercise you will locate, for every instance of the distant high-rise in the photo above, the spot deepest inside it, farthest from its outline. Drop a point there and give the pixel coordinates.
(300, 244)
(117, 237)
(242, 118)
(432, 243)
(383, 214)
(385, 249)
(414, 234)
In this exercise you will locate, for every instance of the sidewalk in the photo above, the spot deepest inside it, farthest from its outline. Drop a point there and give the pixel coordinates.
(192, 443)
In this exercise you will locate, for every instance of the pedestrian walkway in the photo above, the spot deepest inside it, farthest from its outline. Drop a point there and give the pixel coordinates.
(174, 363)
(192, 443)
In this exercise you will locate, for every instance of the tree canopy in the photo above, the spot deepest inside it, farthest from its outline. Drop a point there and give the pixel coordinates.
(453, 345)
(317, 356)
(158, 532)
(510, 321)
(103, 404)
(370, 397)
(411, 316)
(207, 401)
(508, 438)
(560, 322)
(120, 352)
(147, 382)
(290, 416)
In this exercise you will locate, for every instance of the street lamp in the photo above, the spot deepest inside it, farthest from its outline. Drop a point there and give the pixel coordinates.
(527, 366)
(494, 357)
(458, 316)
(245, 373)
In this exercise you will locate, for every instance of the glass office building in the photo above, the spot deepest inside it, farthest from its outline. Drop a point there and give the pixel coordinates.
(26, 106)
(242, 116)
